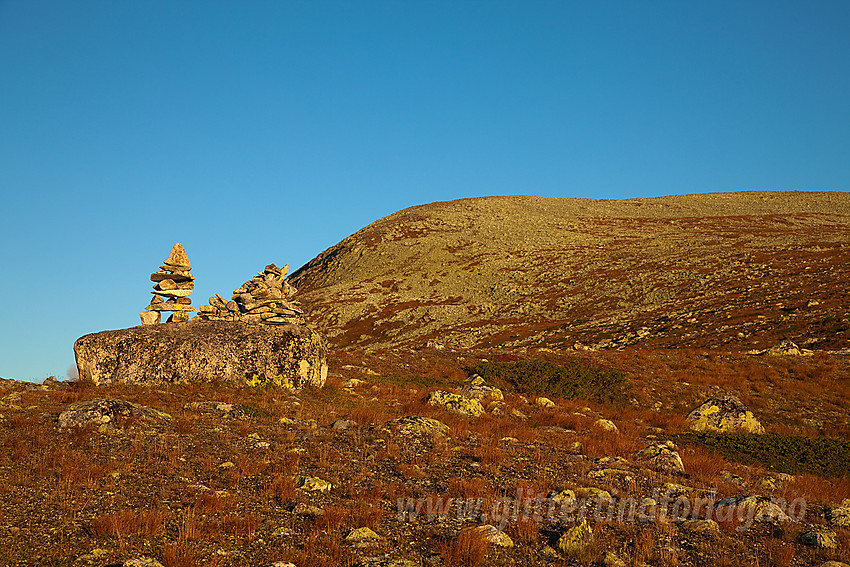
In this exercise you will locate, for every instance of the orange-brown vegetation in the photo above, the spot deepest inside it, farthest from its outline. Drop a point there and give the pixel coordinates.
(182, 490)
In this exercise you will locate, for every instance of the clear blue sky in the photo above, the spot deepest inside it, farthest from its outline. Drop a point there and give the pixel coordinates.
(258, 132)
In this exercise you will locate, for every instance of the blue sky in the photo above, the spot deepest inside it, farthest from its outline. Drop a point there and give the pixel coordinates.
(258, 132)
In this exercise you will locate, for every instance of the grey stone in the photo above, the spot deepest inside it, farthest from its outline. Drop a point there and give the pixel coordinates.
(103, 411)
(343, 424)
(662, 458)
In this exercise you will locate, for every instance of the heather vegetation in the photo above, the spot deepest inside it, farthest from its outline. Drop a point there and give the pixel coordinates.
(244, 476)
(570, 380)
(793, 454)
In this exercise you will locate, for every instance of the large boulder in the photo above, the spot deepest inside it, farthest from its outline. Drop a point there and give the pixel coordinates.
(724, 414)
(204, 351)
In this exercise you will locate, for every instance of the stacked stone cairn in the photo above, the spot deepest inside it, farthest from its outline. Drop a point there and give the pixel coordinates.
(174, 285)
(266, 298)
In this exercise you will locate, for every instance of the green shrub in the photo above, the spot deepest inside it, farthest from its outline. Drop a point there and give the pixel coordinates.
(793, 454)
(573, 380)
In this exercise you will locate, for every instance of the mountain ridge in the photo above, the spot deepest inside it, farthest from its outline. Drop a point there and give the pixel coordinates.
(689, 270)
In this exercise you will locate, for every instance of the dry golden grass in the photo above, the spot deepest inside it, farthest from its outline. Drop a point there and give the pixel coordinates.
(177, 555)
(129, 523)
(466, 550)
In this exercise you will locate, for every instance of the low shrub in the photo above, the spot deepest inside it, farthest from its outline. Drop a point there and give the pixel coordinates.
(573, 380)
(793, 454)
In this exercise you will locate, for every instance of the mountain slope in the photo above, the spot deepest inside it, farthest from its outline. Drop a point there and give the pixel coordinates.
(744, 270)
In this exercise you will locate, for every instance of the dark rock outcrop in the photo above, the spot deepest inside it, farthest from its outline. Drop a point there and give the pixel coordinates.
(204, 351)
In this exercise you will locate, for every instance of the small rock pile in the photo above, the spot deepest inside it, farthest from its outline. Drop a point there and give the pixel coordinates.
(175, 283)
(265, 298)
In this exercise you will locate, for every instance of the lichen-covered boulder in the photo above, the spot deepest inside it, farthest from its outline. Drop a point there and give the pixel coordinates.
(363, 537)
(724, 414)
(662, 457)
(477, 389)
(204, 351)
(313, 484)
(759, 508)
(105, 411)
(840, 515)
(456, 403)
(820, 537)
(606, 425)
(418, 426)
(576, 539)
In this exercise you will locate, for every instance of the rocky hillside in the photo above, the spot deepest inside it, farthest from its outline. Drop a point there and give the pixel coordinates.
(739, 270)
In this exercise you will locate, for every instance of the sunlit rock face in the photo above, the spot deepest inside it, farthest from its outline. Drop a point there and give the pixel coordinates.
(290, 356)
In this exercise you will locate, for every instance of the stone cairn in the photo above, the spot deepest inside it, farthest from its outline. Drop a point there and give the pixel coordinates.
(266, 298)
(172, 290)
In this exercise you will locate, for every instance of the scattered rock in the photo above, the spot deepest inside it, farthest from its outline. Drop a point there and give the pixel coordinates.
(576, 539)
(415, 425)
(606, 425)
(724, 414)
(455, 403)
(476, 389)
(611, 560)
(592, 493)
(559, 498)
(313, 484)
(205, 351)
(840, 515)
(495, 536)
(787, 348)
(385, 562)
(142, 562)
(93, 555)
(209, 407)
(515, 413)
(760, 508)
(544, 402)
(343, 424)
(307, 510)
(663, 458)
(104, 411)
(362, 537)
(700, 526)
(732, 478)
(820, 537)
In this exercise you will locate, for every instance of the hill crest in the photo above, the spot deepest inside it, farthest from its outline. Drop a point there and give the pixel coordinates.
(743, 269)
